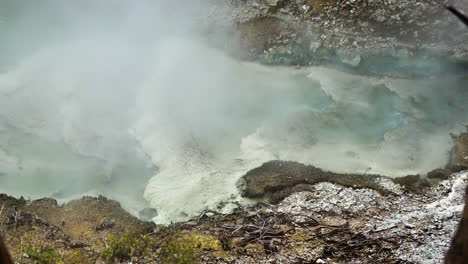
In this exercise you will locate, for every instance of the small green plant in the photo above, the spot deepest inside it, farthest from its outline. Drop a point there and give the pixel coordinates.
(126, 247)
(180, 250)
(78, 256)
(40, 253)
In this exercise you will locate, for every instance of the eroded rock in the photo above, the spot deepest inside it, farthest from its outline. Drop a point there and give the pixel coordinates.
(440, 174)
(367, 30)
(459, 155)
(259, 35)
(79, 218)
(414, 183)
(279, 179)
(148, 214)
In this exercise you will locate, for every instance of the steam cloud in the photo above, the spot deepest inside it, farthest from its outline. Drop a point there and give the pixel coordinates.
(90, 90)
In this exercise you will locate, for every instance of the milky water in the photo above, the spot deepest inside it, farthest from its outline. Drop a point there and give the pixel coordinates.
(113, 102)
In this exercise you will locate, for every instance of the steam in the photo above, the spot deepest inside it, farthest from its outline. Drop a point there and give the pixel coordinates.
(129, 100)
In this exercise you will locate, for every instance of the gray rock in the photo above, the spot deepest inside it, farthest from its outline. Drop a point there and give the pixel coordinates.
(278, 179)
(147, 214)
(441, 174)
(459, 154)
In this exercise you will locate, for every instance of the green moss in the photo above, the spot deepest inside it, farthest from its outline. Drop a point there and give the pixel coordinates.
(40, 253)
(181, 250)
(300, 235)
(127, 246)
(206, 242)
(78, 256)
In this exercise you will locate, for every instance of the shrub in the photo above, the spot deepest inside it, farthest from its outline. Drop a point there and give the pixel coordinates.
(126, 247)
(78, 256)
(41, 254)
(180, 250)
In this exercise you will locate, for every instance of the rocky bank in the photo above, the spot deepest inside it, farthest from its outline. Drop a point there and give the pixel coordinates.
(314, 217)
(328, 223)
(404, 37)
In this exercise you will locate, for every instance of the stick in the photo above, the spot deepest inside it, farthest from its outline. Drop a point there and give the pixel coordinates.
(458, 13)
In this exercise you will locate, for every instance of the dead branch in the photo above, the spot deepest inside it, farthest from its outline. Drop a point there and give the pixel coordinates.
(463, 18)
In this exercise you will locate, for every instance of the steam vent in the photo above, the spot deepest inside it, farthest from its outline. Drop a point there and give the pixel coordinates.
(233, 131)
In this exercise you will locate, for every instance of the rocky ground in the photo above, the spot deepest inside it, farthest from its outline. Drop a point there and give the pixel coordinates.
(351, 34)
(328, 223)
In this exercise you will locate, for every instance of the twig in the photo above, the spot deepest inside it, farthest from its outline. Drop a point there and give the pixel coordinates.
(1, 211)
(463, 18)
